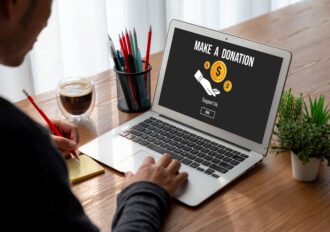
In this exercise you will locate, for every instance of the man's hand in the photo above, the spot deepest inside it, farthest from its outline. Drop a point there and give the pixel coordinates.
(165, 173)
(70, 138)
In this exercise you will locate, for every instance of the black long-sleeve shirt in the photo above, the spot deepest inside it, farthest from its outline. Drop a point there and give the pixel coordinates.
(36, 194)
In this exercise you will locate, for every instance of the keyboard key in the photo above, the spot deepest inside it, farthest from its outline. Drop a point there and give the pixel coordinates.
(139, 128)
(194, 165)
(198, 147)
(187, 148)
(227, 159)
(214, 148)
(186, 161)
(206, 163)
(234, 162)
(184, 141)
(164, 133)
(152, 128)
(153, 134)
(143, 142)
(166, 140)
(150, 139)
(193, 151)
(218, 168)
(215, 175)
(191, 156)
(200, 142)
(229, 154)
(200, 169)
(185, 154)
(136, 139)
(143, 124)
(123, 133)
(219, 156)
(177, 151)
(173, 142)
(215, 160)
(209, 171)
(244, 155)
(169, 135)
(180, 145)
(208, 157)
(236, 157)
(130, 136)
(135, 132)
(198, 160)
(226, 165)
(157, 142)
(207, 145)
(205, 150)
(201, 154)
(213, 153)
(160, 137)
(193, 139)
(144, 136)
(164, 145)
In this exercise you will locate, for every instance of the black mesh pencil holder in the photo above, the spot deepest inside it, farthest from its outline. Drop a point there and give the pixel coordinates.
(133, 90)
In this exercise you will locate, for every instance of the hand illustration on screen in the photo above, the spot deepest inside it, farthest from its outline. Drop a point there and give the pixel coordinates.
(206, 84)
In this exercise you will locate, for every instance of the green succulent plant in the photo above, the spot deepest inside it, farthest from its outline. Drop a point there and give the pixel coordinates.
(303, 130)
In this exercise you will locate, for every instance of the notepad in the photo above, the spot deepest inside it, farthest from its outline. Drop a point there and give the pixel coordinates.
(83, 169)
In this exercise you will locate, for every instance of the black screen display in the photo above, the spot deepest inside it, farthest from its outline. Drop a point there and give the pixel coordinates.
(222, 84)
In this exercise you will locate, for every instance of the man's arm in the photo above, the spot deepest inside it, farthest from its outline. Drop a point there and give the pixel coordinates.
(142, 205)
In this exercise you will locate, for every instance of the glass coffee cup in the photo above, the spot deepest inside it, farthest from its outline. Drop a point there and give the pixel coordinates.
(76, 98)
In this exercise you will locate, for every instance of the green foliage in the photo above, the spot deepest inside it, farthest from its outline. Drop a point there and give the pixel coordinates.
(303, 130)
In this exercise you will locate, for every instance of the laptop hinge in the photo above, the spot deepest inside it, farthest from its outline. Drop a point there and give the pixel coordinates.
(203, 132)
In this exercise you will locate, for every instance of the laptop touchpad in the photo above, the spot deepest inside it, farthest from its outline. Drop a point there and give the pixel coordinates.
(133, 162)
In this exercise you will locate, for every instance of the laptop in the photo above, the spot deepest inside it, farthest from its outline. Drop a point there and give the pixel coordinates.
(214, 109)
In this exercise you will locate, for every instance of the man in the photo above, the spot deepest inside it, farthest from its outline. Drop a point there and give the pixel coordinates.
(36, 194)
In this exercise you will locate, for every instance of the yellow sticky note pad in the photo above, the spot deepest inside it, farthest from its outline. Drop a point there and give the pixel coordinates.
(83, 169)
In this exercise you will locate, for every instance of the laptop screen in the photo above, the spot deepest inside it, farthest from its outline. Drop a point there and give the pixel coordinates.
(225, 85)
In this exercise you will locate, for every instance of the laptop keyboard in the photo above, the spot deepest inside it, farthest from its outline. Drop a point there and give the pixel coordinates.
(190, 149)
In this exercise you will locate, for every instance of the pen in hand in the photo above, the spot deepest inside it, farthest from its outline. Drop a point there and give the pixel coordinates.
(49, 122)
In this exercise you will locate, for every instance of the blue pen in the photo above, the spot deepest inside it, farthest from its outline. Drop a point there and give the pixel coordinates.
(143, 84)
(121, 60)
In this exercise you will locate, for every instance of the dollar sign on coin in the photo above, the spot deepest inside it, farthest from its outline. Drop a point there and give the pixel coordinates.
(227, 86)
(218, 71)
(207, 65)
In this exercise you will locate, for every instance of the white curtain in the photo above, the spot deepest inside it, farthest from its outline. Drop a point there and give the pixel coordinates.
(75, 41)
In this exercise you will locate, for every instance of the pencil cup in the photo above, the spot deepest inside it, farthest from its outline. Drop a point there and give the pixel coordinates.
(133, 90)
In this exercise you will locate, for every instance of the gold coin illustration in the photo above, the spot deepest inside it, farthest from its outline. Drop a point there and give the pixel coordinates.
(227, 86)
(218, 71)
(207, 64)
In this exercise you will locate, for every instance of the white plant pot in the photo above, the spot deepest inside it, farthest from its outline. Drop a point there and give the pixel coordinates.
(304, 172)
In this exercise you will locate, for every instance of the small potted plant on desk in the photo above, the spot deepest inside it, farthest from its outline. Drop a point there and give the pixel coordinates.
(303, 131)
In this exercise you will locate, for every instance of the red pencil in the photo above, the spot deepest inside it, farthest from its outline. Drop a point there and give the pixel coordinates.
(123, 48)
(148, 49)
(129, 47)
(50, 123)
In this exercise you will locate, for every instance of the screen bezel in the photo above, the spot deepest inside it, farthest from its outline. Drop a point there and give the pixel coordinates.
(215, 131)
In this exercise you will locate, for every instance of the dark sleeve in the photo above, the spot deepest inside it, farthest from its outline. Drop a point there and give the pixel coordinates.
(141, 207)
(36, 189)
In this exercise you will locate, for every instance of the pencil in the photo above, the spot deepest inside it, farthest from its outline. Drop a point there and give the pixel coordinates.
(50, 123)
(148, 49)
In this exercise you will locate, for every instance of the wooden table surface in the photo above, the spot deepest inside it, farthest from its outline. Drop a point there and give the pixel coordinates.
(267, 198)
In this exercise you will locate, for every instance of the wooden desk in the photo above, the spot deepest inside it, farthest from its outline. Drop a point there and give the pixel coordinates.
(266, 199)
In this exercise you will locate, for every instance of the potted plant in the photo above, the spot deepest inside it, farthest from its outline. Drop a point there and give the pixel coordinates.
(305, 132)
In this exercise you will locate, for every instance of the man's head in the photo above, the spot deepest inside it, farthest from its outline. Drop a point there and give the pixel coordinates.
(21, 21)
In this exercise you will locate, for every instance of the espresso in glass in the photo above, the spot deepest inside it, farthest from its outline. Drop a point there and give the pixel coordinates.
(75, 96)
